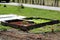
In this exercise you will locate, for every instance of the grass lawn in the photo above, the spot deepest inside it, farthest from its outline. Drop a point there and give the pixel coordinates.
(32, 12)
(4, 27)
(47, 28)
(37, 21)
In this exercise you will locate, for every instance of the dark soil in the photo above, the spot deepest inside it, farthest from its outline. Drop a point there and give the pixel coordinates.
(13, 34)
(21, 23)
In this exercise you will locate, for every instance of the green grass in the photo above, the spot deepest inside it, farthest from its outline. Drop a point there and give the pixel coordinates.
(32, 12)
(4, 27)
(47, 28)
(37, 21)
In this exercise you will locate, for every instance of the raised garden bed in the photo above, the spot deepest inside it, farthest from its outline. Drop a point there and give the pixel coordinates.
(22, 24)
(27, 25)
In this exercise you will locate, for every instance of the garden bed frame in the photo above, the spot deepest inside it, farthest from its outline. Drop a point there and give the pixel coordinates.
(25, 28)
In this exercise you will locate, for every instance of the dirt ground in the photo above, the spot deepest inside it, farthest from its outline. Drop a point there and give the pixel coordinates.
(13, 34)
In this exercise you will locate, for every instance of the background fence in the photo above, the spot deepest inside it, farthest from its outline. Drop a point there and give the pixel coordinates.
(38, 2)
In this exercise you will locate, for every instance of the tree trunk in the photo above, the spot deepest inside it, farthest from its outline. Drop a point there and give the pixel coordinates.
(56, 2)
(32, 1)
(40, 2)
(18, 1)
(13, 0)
(43, 2)
(25, 1)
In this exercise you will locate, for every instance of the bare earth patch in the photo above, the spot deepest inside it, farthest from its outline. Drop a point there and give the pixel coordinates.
(13, 34)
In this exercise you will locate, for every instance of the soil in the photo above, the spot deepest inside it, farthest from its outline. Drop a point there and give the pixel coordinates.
(14, 34)
(21, 23)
